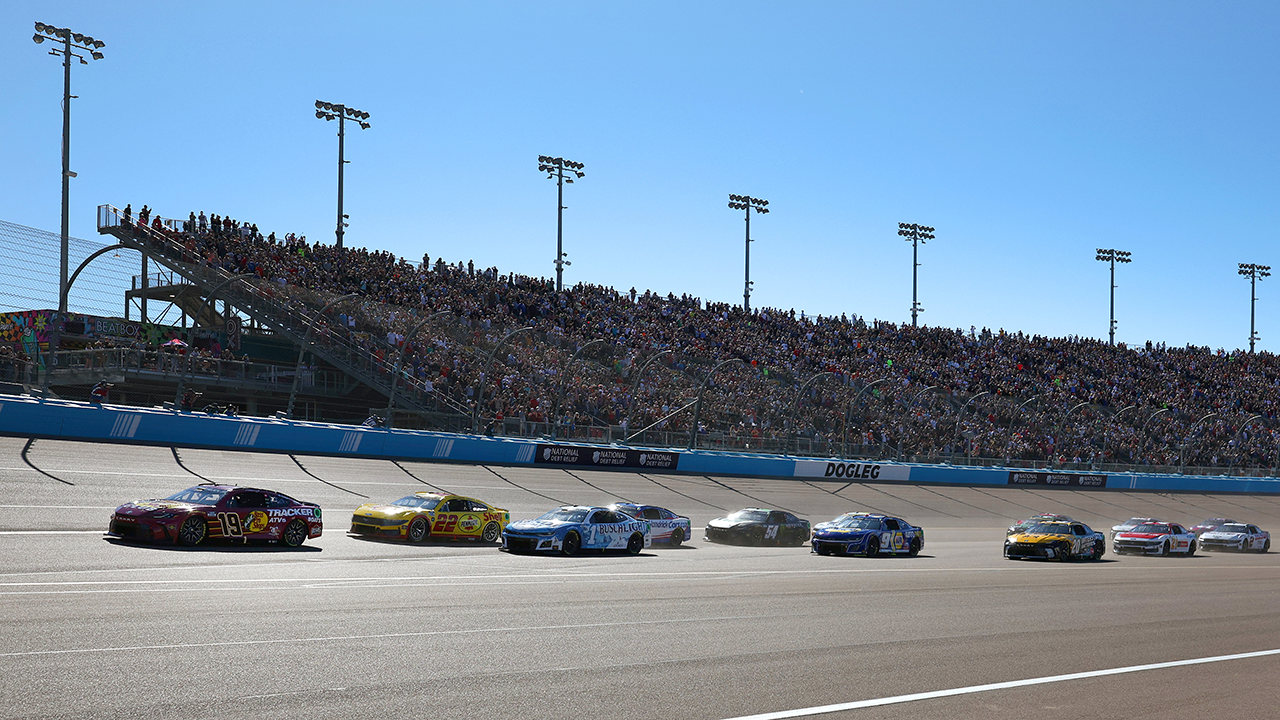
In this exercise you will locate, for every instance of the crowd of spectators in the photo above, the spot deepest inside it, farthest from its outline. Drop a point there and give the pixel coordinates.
(917, 392)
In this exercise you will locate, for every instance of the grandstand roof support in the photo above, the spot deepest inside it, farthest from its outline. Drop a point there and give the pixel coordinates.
(795, 407)
(564, 373)
(395, 374)
(697, 405)
(1182, 449)
(960, 418)
(844, 442)
(191, 331)
(484, 377)
(302, 348)
(66, 286)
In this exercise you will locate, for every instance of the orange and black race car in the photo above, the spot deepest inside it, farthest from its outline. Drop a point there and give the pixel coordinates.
(424, 515)
(218, 512)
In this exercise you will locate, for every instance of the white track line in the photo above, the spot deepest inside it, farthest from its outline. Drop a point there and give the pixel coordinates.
(385, 636)
(897, 699)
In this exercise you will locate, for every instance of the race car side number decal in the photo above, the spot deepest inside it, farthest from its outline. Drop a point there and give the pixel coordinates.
(230, 524)
(771, 532)
(445, 524)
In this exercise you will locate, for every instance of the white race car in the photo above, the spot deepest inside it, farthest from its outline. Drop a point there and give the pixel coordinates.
(1155, 538)
(1236, 536)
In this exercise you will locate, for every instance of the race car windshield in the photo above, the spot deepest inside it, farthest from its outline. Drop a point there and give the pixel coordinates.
(859, 523)
(1232, 528)
(199, 495)
(1151, 528)
(743, 516)
(417, 501)
(572, 516)
(1050, 529)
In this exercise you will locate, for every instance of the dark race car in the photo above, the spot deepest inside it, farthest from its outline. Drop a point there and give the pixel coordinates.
(757, 526)
(868, 534)
(213, 512)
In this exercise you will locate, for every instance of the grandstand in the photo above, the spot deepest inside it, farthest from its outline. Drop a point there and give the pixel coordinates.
(478, 350)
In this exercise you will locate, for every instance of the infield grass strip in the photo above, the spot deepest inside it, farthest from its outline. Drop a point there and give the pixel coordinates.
(898, 699)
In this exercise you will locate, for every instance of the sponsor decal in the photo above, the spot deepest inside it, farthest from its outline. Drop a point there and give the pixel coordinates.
(605, 457)
(469, 523)
(256, 522)
(1057, 479)
(293, 512)
(852, 470)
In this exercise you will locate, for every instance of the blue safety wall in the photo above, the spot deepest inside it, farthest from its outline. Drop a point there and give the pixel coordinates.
(68, 420)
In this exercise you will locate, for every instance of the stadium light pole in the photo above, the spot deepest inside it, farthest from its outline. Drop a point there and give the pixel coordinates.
(554, 167)
(1254, 273)
(747, 203)
(916, 235)
(1113, 256)
(91, 46)
(340, 112)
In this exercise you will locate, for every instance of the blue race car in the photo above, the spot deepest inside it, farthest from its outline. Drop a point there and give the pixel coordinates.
(576, 527)
(667, 526)
(868, 534)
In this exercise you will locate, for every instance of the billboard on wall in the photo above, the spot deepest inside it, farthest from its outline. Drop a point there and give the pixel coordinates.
(1048, 479)
(605, 457)
(835, 470)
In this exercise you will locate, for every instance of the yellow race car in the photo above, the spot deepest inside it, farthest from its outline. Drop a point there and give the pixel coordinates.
(424, 515)
(1056, 540)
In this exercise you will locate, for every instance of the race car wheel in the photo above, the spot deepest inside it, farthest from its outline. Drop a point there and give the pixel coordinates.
(1099, 548)
(572, 544)
(873, 546)
(419, 530)
(635, 543)
(1191, 549)
(757, 537)
(193, 531)
(491, 533)
(294, 533)
(1165, 549)
(1064, 552)
(1266, 546)
(914, 550)
(677, 537)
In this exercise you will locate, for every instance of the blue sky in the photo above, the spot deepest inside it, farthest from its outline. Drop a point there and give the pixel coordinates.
(1028, 134)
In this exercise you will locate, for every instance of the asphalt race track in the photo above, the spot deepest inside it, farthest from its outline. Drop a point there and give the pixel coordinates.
(348, 628)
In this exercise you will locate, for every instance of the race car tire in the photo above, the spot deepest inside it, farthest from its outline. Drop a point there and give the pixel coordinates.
(491, 533)
(873, 546)
(914, 550)
(1063, 552)
(194, 530)
(677, 537)
(1191, 549)
(572, 544)
(1240, 547)
(294, 533)
(1099, 549)
(635, 543)
(1165, 550)
(1266, 546)
(757, 537)
(419, 530)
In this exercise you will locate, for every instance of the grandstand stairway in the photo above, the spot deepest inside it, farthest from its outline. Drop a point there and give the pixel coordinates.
(274, 307)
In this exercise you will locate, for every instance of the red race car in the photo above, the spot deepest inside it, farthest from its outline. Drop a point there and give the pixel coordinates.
(210, 511)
